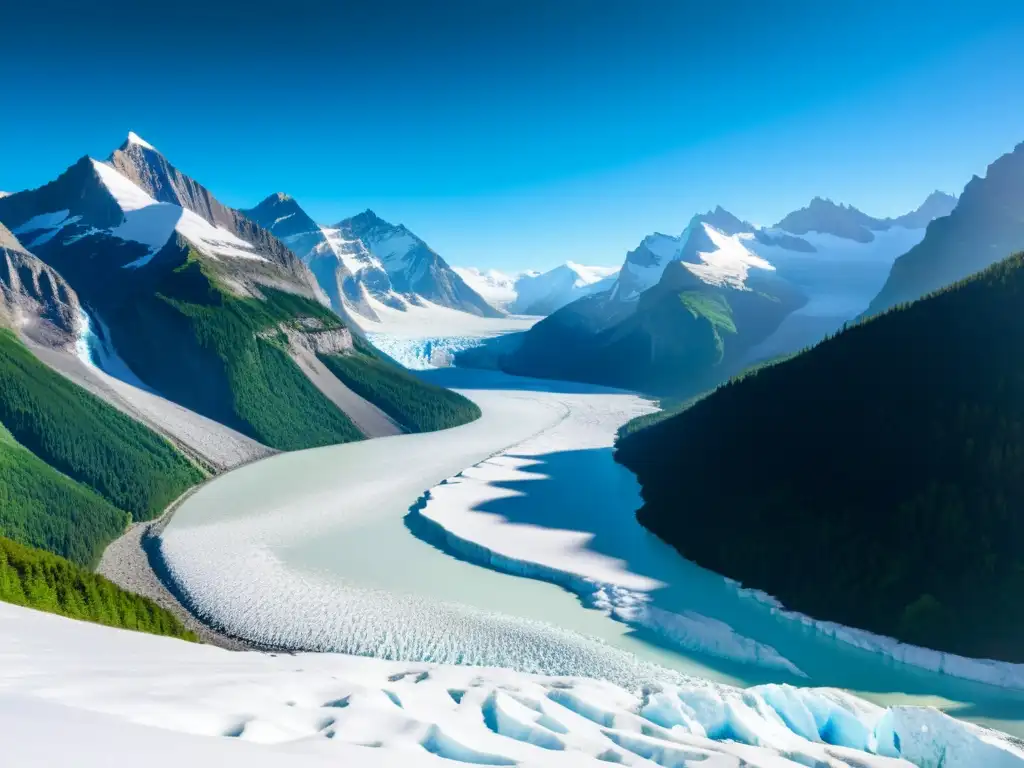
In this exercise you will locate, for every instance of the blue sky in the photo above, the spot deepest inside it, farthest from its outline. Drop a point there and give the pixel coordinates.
(522, 134)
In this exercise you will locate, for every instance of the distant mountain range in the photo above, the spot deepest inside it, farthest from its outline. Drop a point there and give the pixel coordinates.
(686, 311)
(363, 262)
(539, 293)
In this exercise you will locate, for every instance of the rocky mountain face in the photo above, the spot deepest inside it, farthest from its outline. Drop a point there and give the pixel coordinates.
(681, 336)
(826, 217)
(34, 299)
(140, 163)
(414, 269)
(935, 206)
(985, 227)
(365, 260)
(200, 303)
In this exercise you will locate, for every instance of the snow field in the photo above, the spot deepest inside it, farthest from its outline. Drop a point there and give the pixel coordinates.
(428, 320)
(113, 694)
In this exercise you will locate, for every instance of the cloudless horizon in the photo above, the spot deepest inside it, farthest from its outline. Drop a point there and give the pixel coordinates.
(518, 135)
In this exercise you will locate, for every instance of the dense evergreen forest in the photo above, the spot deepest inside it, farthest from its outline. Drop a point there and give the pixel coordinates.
(43, 581)
(231, 359)
(41, 507)
(876, 480)
(415, 404)
(89, 441)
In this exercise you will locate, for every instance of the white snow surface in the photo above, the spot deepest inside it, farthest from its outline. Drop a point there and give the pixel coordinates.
(497, 288)
(730, 262)
(152, 223)
(47, 225)
(552, 290)
(73, 693)
(840, 279)
(353, 254)
(111, 379)
(426, 320)
(134, 138)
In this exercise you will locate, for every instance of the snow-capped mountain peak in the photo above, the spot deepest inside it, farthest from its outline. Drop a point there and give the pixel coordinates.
(152, 223)
(728, 261)
(363, 261)
(645, 265)
(134, 138)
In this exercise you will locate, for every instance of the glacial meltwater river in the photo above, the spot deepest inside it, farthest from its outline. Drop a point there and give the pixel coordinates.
(343, 549)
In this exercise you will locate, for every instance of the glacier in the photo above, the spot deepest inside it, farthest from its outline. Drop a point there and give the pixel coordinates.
(115, 696)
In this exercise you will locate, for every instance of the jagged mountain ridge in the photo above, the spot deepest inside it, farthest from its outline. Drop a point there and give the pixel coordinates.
(364, 259)
(826, 217)
(748, 292)
(985, 227)
(34, 299)
(198, 304)
(412, 266)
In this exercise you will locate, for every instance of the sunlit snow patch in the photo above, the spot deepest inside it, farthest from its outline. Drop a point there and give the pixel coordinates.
(103, 686)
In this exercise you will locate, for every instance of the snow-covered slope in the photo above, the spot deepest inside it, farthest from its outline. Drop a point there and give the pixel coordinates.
(542, 294)
(123, 211)
(415, 270)
(538, 293)
(498, 288)
(365, 258)
(116, 697)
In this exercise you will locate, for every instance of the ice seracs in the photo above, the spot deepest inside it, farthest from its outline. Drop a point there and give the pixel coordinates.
(164, 701)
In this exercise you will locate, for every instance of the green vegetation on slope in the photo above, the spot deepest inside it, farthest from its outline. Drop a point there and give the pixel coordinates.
(875, 480)
(49, 583)
(41, 507)
(672, 407)
(681, 337)
(86, 439)
(230, 357)
(415, 404)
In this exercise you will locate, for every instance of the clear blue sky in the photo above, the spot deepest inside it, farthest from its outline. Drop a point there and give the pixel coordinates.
(521, 134)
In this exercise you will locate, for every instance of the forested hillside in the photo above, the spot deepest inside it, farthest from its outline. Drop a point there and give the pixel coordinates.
(415, 404)
(682, 337)
(875, 480)
(49, 583)
(232, 363)
(42, 507)
(81, 436)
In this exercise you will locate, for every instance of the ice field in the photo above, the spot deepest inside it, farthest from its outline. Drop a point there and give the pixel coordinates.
(79, 694)
(412, 548)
